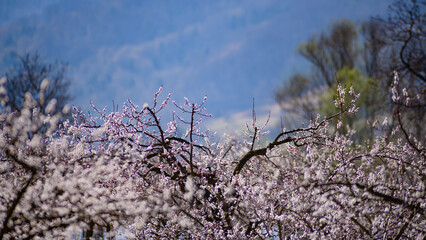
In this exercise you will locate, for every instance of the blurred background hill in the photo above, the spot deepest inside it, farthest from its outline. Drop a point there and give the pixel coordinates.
(231, 51)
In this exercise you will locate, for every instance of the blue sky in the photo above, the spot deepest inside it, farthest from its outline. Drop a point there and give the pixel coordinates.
(231, 51)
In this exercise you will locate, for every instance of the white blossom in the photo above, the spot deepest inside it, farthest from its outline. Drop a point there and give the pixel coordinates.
(44, 85)
(51, 106)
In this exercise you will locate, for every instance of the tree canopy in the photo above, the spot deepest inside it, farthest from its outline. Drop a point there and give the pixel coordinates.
(128, 173)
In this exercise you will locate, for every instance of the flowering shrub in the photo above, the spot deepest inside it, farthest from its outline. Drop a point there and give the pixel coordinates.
(129, 171)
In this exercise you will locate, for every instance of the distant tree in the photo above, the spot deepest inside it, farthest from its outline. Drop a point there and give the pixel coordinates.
(405, 28)
(332, 51)
(400, 41)
(364, 57)
(27, 74)
(328, 52)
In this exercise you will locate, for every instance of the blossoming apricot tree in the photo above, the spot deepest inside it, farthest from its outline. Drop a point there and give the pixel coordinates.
(128, 170)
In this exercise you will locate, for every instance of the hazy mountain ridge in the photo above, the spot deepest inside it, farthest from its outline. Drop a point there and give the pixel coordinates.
(230, 51)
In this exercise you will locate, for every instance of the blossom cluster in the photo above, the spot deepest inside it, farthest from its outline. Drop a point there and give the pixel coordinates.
(129, 172)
